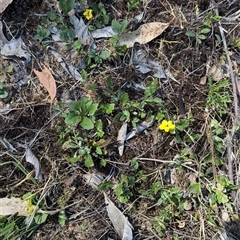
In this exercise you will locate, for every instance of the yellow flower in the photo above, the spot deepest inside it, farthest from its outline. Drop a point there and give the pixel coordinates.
(167, 126)
(88, 13)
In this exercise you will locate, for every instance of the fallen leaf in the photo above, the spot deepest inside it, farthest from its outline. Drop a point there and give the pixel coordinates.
(9, 206)
(17, 48)
(121, 138)
(47, 80)
(105, 32)
(80, 27)
(4, 4)
(144, 34)
(119, 221)
(30, 157)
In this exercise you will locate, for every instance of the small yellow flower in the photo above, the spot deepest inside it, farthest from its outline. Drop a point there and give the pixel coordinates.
(167, 126)
(88, 13)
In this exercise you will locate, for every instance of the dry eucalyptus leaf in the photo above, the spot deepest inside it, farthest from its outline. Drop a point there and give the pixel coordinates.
(121, 138)
(105, 32)
(144, 34)
(47, 80)
(119, 221)
(80, 27)
(17, 48)
(4, 4)
(30, 157)
(9, 206)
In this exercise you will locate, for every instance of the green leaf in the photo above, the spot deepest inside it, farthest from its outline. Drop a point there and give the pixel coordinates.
(71, 33)
(88, 161)
(104, 55)
(71, 119)
(109, 108)
(84, 74)
(3, 94)
(52, 15)
(190, 34)
(77, 45)
(134, 164)
(66, 5)
(74, 159)
(195, 187)
(119, 27)
(124, 99)
(92, 108)
(118, 117)
(205, 30)
(221, 197)
(126, 113)
(9, 69)
(103, 162)
(149, 91)
(202, 37)
(75, 106)
(92, 54)
(62, 218)
(124, 25)
(116, 26)
(40, 218)
(87, 123)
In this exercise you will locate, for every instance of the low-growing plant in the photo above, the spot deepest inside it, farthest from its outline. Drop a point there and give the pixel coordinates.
(3, 90)
(101, 17)
(218, 96)
(133, 4)
(97, 58)
(66, 5)
(124, 188)
(83, 131)
(205, 27)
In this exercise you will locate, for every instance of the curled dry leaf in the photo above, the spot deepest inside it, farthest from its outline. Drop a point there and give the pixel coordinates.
(119, 221)
(144, 34)
(9, 206)
(30, 157)
(47, 80)
(4, 4)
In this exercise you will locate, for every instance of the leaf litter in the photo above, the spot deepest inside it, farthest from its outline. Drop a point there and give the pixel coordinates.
(47, 80)
(120, 223)
(144, 34)
(31, 158)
